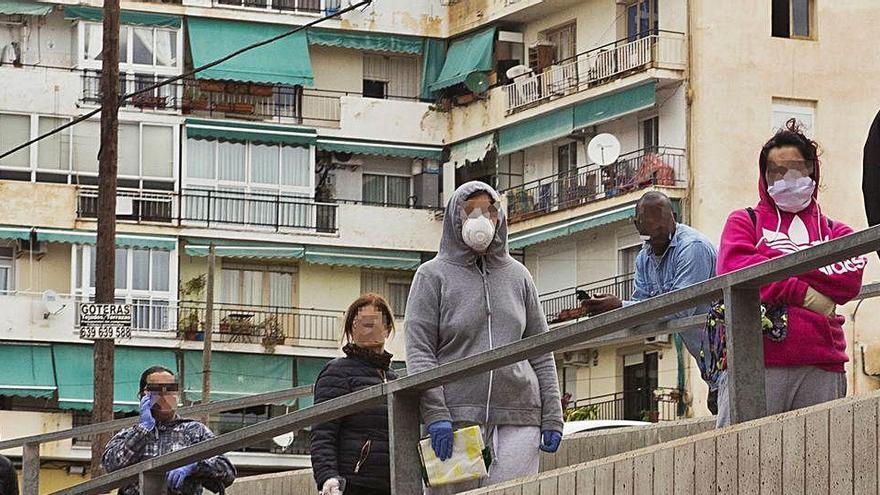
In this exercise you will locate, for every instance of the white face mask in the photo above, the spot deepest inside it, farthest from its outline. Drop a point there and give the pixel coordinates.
(793, 192)
(477, 233)
(644, 238)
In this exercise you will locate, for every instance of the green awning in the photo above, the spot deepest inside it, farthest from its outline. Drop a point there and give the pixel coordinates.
(307, 370)
(95, 14)
(471, 150)
(356, 40)
(466, 55)
(615, 105)
(122, 240)
(569, 227)
(433, 58)
(28, 371)
(74, 365)
(235, 375)
(23, 7)
(229, 249)
(285, 61)
(256, 133)
(15, 233)
(365, 147)
(535, 131)
(364, 258)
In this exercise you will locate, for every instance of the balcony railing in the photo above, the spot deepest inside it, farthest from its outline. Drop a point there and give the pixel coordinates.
(562, 305)
(631, 172)
(207, 208)
(270, 325)
(596, 67)
(221, 99)
(302, 6)
(640, 404)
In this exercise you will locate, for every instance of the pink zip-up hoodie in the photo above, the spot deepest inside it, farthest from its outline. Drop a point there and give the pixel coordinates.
(813, 339)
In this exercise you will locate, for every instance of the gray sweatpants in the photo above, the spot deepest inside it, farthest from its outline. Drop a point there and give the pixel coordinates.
(787, 389)
(515, 454)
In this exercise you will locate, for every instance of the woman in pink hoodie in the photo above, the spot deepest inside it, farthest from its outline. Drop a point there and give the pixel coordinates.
(804, 361)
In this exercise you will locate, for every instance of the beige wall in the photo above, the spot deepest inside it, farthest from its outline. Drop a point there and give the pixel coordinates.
(337, 69)
(37, 204)
(730, 122)
(15, 424)
(51, 271)
(595, 21)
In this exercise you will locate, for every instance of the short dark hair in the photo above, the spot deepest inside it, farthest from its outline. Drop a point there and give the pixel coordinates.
(146, 374)
(368, 299)
(792, 134)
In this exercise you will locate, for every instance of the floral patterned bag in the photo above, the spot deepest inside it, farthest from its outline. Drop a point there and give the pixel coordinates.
(774, 324)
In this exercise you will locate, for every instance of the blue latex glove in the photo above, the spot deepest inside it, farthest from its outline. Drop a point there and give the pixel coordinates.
(550, 440)
(147, 420)
(176, 477)
(441, 438)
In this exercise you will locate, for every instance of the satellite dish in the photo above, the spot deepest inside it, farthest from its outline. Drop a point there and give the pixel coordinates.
(51, 304)
(284, 440)
(477, 82)
(604, 149)
(517, 70)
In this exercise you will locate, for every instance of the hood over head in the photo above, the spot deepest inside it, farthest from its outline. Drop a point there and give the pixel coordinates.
(452, 245)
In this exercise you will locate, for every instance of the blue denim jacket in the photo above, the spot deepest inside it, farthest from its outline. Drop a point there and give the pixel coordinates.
(690, 259)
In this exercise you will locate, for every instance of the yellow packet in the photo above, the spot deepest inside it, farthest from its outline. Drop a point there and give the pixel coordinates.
(470, 459)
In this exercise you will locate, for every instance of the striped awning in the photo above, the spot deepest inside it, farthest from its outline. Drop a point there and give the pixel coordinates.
(569, 227)
(379, 148)
(123, 240)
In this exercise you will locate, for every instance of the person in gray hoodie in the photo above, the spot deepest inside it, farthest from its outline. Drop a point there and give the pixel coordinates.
(473, 297)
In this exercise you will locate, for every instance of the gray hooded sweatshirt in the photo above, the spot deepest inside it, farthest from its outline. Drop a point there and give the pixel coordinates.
(458, 307)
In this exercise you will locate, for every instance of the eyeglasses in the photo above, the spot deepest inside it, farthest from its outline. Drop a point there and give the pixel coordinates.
(162, 388)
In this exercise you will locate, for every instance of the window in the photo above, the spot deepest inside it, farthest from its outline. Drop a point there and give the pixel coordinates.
(566, 158)
(146, 151)
(140, 48)
(386, 190)
(651, 134)
(391, 76)
(257, 286)
(641, 19)
(6, 264)
(273, 166)
(627, 259)
(142, 279)
(792, 19)
(510, 170)
(564, 42)
(15, 130)
(392, 285)
(803, 111)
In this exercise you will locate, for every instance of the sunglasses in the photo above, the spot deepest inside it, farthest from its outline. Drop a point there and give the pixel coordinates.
(162, 387)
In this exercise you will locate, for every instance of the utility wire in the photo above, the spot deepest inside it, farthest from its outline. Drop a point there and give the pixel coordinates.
(362, 3)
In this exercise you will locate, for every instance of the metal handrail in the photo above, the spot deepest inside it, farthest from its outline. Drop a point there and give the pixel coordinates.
(194, 410)
(745, 365)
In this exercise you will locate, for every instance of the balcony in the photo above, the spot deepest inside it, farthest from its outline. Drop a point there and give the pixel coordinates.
(641, 404)
(269, 325)
(206, 208)
(219, 99)
(596, 67)
(632, 172)
(562, 305)
(299, 6)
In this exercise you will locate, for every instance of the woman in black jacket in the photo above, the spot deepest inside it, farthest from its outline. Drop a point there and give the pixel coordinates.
(350, 455)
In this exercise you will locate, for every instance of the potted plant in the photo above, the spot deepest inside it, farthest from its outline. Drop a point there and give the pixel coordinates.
(243, 107)
(272, 334)
(189, 321)
(261, 90)
(212, 86)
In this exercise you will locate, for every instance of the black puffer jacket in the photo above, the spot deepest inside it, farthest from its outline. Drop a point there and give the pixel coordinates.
(354, 447)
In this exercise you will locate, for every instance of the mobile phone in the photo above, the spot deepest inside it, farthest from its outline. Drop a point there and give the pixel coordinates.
(581, 295)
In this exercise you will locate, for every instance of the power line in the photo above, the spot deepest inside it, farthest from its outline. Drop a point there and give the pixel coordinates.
(362, 3)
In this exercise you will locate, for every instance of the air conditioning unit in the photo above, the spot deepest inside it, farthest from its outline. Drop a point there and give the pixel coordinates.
(26, 248)
(585, 358)
(658, 339)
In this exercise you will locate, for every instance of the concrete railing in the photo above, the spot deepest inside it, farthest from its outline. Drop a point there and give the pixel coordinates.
(827, 449)
(745, 360)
